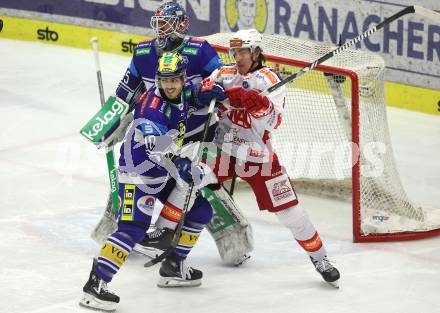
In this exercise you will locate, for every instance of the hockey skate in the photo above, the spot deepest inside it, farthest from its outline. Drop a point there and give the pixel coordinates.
(328, 272)
(96, 296)
(175, 273)
(155, 243)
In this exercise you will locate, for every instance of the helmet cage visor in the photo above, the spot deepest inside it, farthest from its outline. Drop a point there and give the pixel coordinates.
(164, 26)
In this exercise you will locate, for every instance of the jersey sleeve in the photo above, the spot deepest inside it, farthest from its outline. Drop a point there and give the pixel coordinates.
(210, 60)
(131, 85)
(273, 115)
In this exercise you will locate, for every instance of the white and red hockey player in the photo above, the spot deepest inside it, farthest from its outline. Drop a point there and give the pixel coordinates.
(243, 136)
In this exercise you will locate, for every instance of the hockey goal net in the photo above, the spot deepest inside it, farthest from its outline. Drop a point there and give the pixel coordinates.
(334, 138)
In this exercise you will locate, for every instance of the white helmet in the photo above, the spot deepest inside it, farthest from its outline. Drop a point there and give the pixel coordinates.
(246, 38)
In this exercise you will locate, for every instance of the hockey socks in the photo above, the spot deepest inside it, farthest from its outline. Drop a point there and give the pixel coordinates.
(113, 255)
(298, 222)
(190, 234)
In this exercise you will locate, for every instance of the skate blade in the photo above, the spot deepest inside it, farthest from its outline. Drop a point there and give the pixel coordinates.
(172, 282)
(334, 284)
(90, 302)
(151, 253)
(105, 227)
(241, 260)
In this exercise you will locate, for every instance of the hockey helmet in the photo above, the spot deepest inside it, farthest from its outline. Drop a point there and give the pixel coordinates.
(170, 24)
(246, 38)
(171, 64)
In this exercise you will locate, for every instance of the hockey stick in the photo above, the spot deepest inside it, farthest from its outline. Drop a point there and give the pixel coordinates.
(408, 10)
(338, 97)
(232, 186)
(109, 151)
(113, 178)
(185, 209)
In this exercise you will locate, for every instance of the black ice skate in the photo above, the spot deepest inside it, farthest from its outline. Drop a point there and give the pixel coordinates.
(328, 272)
(155, 242)
(96, 296)
(175, 273)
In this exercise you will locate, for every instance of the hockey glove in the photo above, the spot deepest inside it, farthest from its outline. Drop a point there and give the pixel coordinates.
(209, 90)
(255, 104)
(235, 96)
(188, 172)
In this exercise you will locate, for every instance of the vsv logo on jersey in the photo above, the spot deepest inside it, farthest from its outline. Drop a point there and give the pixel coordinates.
(110, 113)
(46, 34)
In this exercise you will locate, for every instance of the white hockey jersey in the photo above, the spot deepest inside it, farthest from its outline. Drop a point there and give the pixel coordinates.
(240, 134)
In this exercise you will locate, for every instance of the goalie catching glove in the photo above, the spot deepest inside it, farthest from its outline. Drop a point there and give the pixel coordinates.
(249, 100)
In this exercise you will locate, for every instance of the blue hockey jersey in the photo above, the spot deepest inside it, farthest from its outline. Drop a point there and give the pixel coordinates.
(153, 115)
(202, 61)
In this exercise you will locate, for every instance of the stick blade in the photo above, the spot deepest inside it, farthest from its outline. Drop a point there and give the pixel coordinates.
(106, 226)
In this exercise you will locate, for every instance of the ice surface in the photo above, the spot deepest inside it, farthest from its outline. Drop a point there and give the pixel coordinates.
(54, 186)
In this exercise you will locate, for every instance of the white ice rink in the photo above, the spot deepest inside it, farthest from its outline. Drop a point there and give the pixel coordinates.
(53, 186)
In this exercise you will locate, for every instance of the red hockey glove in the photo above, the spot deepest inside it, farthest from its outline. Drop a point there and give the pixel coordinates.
(235, 96)
(254, 103)
(210, 90)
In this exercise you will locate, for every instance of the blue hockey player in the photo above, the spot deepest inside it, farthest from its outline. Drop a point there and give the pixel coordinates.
(149, 160)
(170, 23)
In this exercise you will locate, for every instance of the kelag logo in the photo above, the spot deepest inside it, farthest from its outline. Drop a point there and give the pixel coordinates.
(128, 46)
(46, 34)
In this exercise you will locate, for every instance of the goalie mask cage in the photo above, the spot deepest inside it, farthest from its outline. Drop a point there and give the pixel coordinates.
(334, 138)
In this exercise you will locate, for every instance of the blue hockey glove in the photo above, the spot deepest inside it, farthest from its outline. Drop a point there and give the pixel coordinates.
(209, 90)
(187, 171)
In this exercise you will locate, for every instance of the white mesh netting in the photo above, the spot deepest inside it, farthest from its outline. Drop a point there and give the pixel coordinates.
(314, 141)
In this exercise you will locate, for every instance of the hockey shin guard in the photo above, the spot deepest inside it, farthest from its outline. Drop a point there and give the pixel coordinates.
(298, 222)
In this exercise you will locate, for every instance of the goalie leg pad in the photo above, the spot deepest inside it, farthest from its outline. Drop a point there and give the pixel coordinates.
(229, 228)
(106, 225)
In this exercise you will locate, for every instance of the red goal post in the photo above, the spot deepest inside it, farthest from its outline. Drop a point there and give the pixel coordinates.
(334, 139)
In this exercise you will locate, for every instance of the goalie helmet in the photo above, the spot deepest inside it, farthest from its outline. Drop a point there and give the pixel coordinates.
(246, 38)
(170, 23)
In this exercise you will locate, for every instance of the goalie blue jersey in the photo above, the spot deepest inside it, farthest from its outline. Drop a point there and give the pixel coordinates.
(140, 75)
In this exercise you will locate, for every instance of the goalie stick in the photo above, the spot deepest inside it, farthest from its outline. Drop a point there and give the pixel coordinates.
(185, 209)
(408, 10)
(112, 173)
